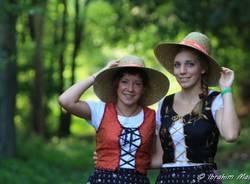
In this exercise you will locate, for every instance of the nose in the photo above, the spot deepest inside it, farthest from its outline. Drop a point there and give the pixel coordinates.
(182, 69)
(130, 86)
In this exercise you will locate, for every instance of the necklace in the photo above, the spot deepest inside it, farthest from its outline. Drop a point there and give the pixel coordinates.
(128, 114)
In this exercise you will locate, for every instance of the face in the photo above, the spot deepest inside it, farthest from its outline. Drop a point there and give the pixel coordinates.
(187, 69)
(130, 89)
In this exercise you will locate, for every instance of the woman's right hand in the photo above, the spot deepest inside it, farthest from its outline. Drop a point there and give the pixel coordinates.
(110, 64)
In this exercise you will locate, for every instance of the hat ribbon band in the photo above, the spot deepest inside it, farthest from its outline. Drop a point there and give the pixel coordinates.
(133, 65)
(195, 45)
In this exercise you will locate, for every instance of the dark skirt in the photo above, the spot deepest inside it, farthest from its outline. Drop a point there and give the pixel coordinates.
(121, 176)
(191, 174)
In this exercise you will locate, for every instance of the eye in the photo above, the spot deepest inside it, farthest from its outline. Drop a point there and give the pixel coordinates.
(190, 64)
(177, 65)
(138, 83)
(124, 81)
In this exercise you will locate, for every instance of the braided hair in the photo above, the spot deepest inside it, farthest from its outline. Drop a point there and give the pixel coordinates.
(197, 110)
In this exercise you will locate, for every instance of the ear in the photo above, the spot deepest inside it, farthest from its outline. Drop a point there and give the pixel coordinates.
(203, 71)
(143, 90)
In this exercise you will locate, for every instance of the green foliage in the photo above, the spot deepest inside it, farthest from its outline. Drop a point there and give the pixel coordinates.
(101, 22)
(58, 161)
(233, 158)
(111, 29)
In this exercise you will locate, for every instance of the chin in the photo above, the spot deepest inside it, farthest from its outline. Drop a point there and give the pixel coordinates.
(130, 103)
(186, 85)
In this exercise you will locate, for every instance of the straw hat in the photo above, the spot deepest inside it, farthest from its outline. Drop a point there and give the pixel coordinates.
(157, 87)
(166, 52)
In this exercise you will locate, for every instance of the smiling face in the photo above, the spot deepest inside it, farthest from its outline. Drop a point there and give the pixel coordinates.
(188, 69)
(130, 89)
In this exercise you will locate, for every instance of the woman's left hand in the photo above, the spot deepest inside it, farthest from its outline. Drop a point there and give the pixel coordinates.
(94, 157)
(226, 78)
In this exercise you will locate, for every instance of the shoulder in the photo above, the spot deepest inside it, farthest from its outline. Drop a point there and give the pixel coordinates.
(169, 99)
(213, 94)
(148, 110)
(95, 103)
(96, 107)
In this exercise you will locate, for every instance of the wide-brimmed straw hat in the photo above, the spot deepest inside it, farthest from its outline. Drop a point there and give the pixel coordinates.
(156, 88)
(166, 52)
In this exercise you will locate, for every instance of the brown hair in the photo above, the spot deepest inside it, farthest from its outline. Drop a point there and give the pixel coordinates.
(133, 71)
(197, 110)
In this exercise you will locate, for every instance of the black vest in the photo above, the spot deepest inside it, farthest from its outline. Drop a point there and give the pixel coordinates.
(201, 133)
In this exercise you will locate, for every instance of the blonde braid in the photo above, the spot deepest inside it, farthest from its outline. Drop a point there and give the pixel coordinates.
(197, 110)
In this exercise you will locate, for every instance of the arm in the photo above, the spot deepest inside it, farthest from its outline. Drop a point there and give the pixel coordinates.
(70, 99)
(157, 153)
(226, 118)
(156, 159)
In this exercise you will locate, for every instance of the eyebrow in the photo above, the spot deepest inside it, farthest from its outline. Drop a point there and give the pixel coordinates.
(190, 60)
(185, 61)
(125, 78)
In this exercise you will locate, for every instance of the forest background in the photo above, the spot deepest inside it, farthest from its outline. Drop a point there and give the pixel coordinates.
(46, 46)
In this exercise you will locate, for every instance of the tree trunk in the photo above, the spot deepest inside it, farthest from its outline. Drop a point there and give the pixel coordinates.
(65, 117)
(8, 83)
(38, 100)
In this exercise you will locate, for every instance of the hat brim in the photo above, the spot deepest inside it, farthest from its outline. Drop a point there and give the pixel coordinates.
(157, 87)
(166, 53)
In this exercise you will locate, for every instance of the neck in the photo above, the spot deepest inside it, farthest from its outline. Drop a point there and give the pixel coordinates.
(189, 94)
(127, 111)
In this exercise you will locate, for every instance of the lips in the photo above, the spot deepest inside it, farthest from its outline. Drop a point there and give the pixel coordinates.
(128, 95)
(184, 79)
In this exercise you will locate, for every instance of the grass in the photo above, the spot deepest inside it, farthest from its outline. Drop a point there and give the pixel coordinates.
(69, 161)
(62, 161)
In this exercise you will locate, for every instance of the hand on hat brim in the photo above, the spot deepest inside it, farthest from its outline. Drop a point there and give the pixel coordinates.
(226, 78)
(112, 64)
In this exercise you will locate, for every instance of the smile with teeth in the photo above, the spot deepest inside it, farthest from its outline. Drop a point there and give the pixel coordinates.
(184, 78)
(128, 95)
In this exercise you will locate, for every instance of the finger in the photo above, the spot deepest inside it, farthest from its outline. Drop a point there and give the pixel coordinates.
(115, 63)
(226, 69)
(227, 72)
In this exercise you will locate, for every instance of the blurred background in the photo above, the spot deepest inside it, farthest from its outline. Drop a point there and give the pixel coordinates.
(46, 46)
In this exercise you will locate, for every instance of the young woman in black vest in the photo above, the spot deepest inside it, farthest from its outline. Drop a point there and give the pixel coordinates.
(124, 125)
(192, 120)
